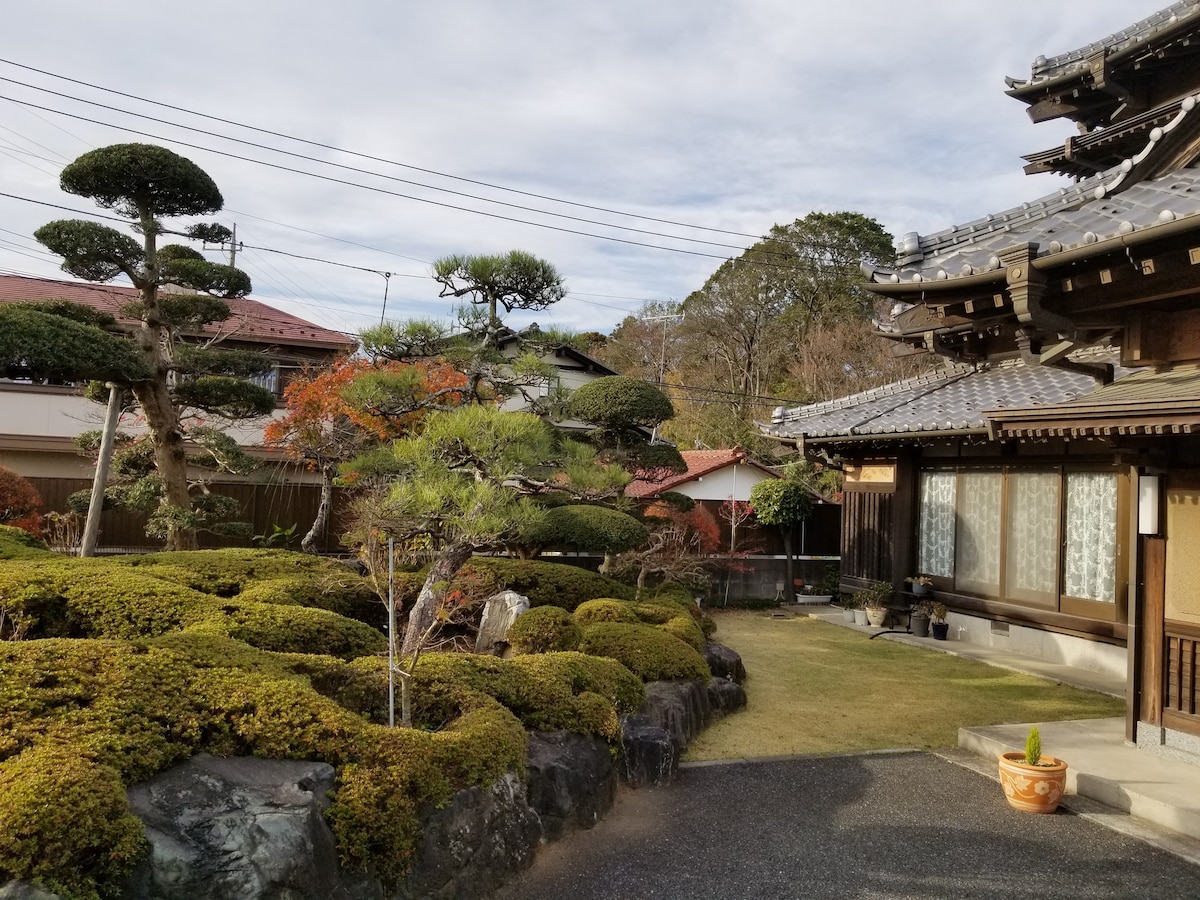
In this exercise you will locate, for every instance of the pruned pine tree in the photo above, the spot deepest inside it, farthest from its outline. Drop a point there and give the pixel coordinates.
(145, 185)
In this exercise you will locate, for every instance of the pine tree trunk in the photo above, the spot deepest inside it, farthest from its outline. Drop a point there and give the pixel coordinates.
(424, 611)
(309, 542)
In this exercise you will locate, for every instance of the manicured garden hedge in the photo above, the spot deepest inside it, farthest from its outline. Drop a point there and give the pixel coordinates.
(128, 666)
(544, 629)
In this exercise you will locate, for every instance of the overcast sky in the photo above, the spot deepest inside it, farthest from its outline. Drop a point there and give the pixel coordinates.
(729, 116)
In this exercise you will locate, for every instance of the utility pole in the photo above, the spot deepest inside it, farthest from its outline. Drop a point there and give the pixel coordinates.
(233, 246)
(662, 357)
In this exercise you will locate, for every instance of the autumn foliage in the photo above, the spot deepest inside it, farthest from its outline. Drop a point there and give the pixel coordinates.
(19, 503)
(328, 418)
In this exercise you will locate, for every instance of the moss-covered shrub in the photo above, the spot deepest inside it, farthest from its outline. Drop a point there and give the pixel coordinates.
(547, 692)
(228, 572)
(665, 614)
(549, 584)
(651, 654)
(343, 593)
(292, 629)
(17, 543)
(64, 821)
(90, 598)
(604, 610)
(544, 629)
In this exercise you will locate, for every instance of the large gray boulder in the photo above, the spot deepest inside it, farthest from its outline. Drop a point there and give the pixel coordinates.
(725, 696)
(681, 707)
(649, 754)
(724, 662)
(236, 829)
(571, 782)
(23, 890)
(471, 846)
(499, 612)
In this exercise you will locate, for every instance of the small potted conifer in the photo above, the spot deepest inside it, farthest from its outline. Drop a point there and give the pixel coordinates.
(1032, 782)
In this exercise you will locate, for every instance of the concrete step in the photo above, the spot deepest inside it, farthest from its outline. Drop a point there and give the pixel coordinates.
(1103, 767)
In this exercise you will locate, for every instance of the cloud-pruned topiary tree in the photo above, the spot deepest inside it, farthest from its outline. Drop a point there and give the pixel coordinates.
(144, 185)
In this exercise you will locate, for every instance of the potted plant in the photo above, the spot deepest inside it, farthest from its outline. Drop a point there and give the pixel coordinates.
(873, 599)
(938, 624)
(921, 584)
(918, 619)
(849, 605)
(1032, 782)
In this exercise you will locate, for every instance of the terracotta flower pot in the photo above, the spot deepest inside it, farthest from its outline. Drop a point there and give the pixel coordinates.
(1035, 789)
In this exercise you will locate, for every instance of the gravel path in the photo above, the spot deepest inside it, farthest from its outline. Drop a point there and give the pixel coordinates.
(890, 825)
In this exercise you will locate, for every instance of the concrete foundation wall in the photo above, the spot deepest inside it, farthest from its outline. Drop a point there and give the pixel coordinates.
(1050, 646)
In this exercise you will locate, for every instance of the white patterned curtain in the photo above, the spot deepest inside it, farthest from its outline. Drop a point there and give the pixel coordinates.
(1090, 557)
(935, 543)
(977, 552)
(1032, 548)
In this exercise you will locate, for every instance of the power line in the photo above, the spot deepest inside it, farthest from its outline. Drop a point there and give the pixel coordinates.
(365, 187)
(373, 158)
(355, 169)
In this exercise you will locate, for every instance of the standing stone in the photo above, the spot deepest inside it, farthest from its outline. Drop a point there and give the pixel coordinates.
(499, 612)
(725, 696)
(681, 707)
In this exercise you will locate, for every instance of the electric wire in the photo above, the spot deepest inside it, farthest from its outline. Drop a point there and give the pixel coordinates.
(373, 158)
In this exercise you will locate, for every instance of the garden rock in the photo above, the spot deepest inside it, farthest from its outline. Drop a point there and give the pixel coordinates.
(725, 696)
(499, 612)
(681, 707)
(571, 781)
(23, 890)
(471, 846)
(724, 662)
(649, 755)
(229, 829)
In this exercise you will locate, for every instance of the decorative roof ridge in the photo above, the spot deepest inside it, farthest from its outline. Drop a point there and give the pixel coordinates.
(930, 380)
(1045, 68)
(915, 248)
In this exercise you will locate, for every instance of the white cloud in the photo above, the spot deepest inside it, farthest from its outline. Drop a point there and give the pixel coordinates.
(729, 116)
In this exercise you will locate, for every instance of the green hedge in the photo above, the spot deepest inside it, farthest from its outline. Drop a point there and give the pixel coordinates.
(17, 543)
(605, 610)
(651, 654)
(228, 572)
(65, 822)
(670, 617)
(343, 593)
(544, 629)
(547, 584)
(94, 599)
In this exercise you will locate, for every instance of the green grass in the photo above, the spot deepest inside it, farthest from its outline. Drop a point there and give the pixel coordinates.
(813, 687)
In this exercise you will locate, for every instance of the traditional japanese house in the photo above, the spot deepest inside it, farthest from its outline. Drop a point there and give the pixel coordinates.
(1055, 503)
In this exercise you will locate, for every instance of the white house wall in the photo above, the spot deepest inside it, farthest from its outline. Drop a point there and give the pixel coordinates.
(732, 481)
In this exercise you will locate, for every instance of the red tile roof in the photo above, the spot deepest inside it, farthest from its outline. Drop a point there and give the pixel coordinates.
(699, 464)
(251, 321)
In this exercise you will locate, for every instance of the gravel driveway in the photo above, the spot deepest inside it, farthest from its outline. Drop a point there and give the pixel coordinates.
(887, 825)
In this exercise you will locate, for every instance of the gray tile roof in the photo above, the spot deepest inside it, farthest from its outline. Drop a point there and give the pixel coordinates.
(1085, 213)
(1139, 32)
(953, 400)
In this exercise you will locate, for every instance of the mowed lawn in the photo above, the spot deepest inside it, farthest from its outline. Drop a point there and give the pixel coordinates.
(813, 687)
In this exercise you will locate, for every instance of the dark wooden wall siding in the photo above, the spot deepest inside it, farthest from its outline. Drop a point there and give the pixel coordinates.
(867, 538)
(1181, 700)
(263, 506)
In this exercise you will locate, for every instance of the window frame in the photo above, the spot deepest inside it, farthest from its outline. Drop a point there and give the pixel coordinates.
(1060, 602)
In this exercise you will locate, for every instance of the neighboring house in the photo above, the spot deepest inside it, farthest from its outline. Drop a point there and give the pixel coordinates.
(1058, 508)
(39, 421)
(715, 477)
(572, 370)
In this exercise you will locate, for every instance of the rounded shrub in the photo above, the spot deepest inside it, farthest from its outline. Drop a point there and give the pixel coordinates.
(64, 821)
(293, 629)
(582, 527)
(544, 629)
(649, 653)
(604, 610)
(343, 593)
(548, 584)
(17, 543)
